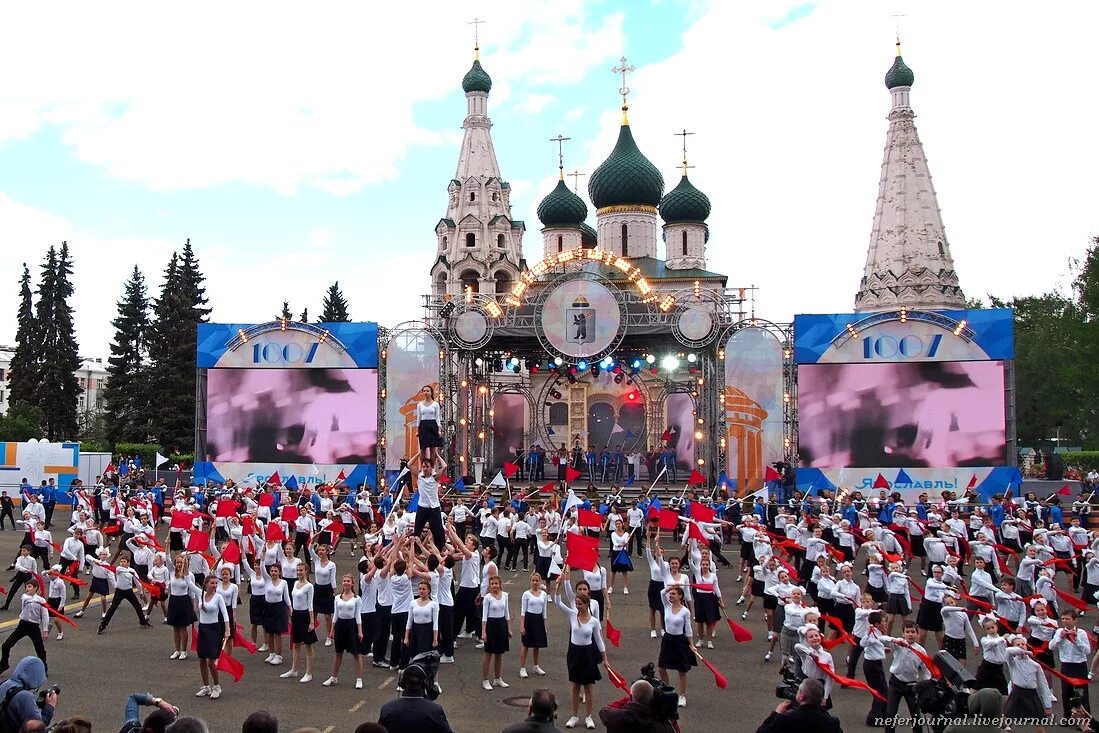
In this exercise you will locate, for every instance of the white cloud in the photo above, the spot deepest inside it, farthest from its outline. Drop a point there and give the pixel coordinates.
(534, 103)
(262, 92)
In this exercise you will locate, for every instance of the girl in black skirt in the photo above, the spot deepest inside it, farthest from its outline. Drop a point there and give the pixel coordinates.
(1042, 628)
(276, 611)
(213, 634)
(675, 645)
(230, 593)
(183, 596)
(495, 631)
(159, 575)
(990, 673)
(324, 589)
(348, 632)
(532, 624)
(422, 628)
(100, 586)
(257, 603)
(303, 624)
(709, 605)
(429, 417)
(621, 564)
(957, 629)
(586, 651)
(1031, 698)
(930, 617)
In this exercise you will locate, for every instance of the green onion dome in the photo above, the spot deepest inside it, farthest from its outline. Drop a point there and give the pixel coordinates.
(684, 203)
(476, 79)
(588, 236)
(626, 177)
(899, 75)
(562, 208)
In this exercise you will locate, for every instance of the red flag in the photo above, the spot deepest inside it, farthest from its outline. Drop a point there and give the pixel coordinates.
(341, 476)
(848, 682)
(231, 553)
(614, 635)
(266, 499)
(1071, 600)
(972, 482)
(194, 638)
(198, 542)
(182, 520)
(616, 679)
(719, 679)
(654, 513)
(290, 513)
(695, 533)
(740, 633)
(68, 579)
(704, 587)
(58, 615)
(248, 525)
(880, 482)
(582, 552)
(274, 479)
(696, 479)
(702, 513)
(1074, 681)
(112, 529)
(275, 533)
(588, 518)
(770, 474)
(547, 488)
(230, 666)
(571, 474)
(1064, 491)
(226, 508)
(668, 519)
(240, 640)
(510, 469)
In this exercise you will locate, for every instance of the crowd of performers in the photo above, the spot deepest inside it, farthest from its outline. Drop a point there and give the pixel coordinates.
(255, 570)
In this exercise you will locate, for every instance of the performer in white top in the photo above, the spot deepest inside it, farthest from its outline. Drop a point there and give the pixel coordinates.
(429, 512)
(429, 417)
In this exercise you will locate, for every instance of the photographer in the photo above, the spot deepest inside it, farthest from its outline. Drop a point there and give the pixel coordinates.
(636, 716)
(18, 703)
(155, 722)
(412, 710)
(542, 711)
(805, 713)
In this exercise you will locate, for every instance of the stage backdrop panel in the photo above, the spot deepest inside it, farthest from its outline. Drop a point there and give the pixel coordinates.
(905, 415)
(681, 429)
(509, 420)
(412, 362)
(753, 406)
(38, 461)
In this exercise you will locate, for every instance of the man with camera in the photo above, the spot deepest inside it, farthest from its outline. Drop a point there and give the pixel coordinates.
(541, 713)
(18, 700)
(413, 711)
(805, 713)
(636, 716)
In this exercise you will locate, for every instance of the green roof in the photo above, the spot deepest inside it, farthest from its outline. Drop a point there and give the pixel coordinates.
(653, 269)
(562, 208)
(588, 235)
(626, 176)
(476, 79)
(899, 75)
(684, 203)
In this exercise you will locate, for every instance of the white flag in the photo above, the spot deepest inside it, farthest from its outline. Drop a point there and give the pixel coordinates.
(555, 567)
(571, 501)
(498, 480)
(160, 460)
(761, 493)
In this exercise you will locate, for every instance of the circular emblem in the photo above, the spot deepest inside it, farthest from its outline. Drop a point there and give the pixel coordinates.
(470, 328)
(580, 318)
(695, 323)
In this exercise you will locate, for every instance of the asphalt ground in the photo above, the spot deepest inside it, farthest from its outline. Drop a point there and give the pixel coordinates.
(97, 673)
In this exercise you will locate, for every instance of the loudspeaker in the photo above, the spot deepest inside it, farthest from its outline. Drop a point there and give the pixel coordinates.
(954, 671)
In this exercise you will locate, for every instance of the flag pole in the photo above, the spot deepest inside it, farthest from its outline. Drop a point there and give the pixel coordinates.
(660, 475)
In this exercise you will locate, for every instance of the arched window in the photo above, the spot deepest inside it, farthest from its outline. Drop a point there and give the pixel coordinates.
(941, 250)
(560, 243)
(503, 283)
(625, 238)
(470, 279)
(684, 242)
(444, 240)
(472, 196)
(495, 196)
(500, 241)
(471, 239)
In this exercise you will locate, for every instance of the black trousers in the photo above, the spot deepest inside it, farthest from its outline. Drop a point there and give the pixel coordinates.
(503, 548)
(6, 514)
(1080, 671)
(16, 587)
(637, 540)
(301, 543)
(901, 691)
(715, 550)
(119, 596)
(381, 638)
(874, 671)
(50, 506)
(398, 652)
(431, 517)
(29, 630)
(853, 660)
(467, 616)
(446, 630)
(369, 622)
(463, 528)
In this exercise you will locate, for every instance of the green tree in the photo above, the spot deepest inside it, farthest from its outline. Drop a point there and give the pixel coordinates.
(20, 423)
(335, 306)
(304, 316)
(286, 315)
(172, 344)
(25, 368)
(59, 387)
(126, 396)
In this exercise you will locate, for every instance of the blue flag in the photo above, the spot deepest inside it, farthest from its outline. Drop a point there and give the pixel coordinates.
(603, 508)
(291, 483)
(902, 478)
(414, 502)
(723, 480)
(551, 431)
(622, 558)
(460, 485)
(628, 482)
(656, 504)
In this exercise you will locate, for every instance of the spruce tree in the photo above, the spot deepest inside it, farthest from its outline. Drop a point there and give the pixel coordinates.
(286, 315)
(26, 362)
(60, 390)
(172, 345)
(126, 395)
(304, 316)
(335, 306)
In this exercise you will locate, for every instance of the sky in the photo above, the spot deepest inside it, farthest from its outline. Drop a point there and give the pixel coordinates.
(297, 145)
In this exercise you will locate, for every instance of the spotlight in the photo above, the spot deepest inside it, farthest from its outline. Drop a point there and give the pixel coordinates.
(651, 359)
(534, 368)
(608, 361)
(670, 363)
(479, 361)
(513, 362)
(632, 396)
(447, 309)
(595, 370)
(572, 378)
(582, 365)
(618, 378)
(558, 361)
(692, 358)
(515, 368)
(555, 395)
(635, 364)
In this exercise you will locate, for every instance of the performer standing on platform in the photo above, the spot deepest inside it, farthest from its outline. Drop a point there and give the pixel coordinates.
(429, 416)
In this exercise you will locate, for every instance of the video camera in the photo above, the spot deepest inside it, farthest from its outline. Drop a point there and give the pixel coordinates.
(43, 692)
(791, 681)
(665, 705)
(946, 698)
(420, 675)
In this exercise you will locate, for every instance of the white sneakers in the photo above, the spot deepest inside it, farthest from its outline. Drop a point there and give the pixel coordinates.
(500, 683)
(203, 691)
(306, 678)
(589, 723)
(486, 685)
(710, 644)
(767, 657)
(446, 660)
(328, 641)
(79, 614)
(698, 642)
(330, 681)
(523, 673)
(625, 591)
(358, 683)
(277, 660)
(60, 635)
(262, 647)
(215, 692)
(175, 655)
(183, 655)
(744, 615)
(682, 701)
(479, 645)
(652, 633)
(270, 658)
(740, 600)
(571, 722)
(539, 671)
(610, 591)
(288, 674)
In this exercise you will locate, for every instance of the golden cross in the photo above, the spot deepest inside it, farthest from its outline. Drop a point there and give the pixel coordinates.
(476, 23)
(684, 135)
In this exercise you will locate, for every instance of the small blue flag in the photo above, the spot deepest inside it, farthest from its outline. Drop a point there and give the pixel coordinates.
(723, 480)
(621, 558)
(603, 508)
(551, 431)
(656, 504)
(902, 478)
(414, 502)
(291, 483)
(460, 485)
(628, 482)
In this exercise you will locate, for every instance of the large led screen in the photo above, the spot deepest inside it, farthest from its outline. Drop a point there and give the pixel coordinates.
(319, 416)
(923, 414)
